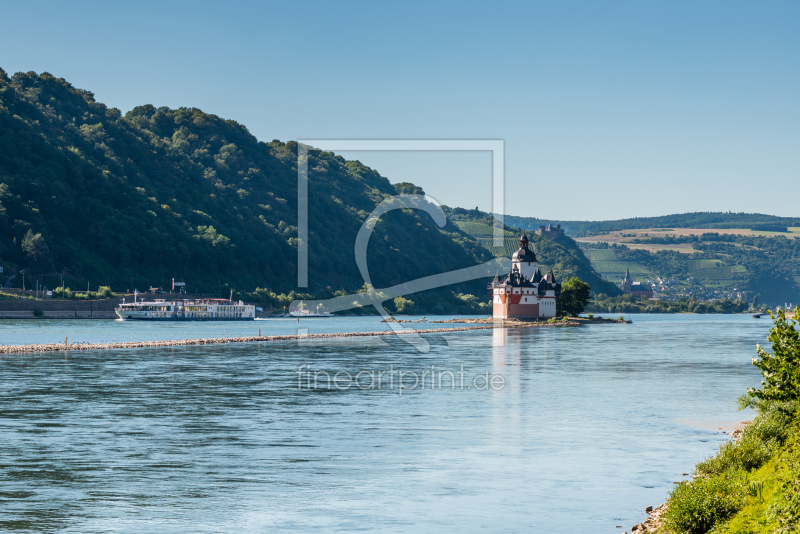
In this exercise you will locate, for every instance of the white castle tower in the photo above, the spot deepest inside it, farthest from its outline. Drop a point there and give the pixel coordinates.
(524, 292)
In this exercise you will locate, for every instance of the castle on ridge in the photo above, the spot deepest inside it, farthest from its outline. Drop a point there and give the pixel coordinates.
(524, 292)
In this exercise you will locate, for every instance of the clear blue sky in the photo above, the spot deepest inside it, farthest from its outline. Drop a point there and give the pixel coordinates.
(608, 109)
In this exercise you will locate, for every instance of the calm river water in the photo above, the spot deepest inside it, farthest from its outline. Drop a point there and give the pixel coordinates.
(578, 429)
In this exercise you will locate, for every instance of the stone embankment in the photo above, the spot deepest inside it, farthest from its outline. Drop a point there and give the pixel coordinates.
(59, 309)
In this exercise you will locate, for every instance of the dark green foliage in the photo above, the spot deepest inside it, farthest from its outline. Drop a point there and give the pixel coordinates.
(769, 227)
(694, 508)
(407, 188)
(161, 193)
(575, 295)
(781, 369)
(36, 251)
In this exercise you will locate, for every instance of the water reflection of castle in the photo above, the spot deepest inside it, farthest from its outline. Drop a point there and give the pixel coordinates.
(524, 292)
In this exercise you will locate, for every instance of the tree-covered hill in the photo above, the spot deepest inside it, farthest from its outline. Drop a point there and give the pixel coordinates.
(751, 221)
(159, 193)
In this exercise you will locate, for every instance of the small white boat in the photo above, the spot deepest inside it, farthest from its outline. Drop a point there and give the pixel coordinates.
(302, 312)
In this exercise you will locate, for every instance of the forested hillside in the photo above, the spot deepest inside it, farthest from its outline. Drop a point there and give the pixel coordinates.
(137, 199)
(750, 221)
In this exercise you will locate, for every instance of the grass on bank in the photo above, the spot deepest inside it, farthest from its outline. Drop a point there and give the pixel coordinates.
(752, 485)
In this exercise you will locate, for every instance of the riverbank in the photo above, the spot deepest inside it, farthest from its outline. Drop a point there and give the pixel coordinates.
(752, 484)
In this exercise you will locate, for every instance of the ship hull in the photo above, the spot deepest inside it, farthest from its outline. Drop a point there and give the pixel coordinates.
(187, 310)
(128, 317)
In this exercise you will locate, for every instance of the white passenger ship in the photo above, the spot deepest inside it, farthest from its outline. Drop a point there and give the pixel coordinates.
(187, 310)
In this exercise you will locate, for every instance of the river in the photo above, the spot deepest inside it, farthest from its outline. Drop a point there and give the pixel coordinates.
(530, 430)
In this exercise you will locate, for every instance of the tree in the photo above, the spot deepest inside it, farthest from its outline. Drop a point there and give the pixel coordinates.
(36, 249)
(407, 188)
(755, 302)
(404, 305)
(575, 295)
(781, 369)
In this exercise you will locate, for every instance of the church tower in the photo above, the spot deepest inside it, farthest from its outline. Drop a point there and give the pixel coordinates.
(627, 282)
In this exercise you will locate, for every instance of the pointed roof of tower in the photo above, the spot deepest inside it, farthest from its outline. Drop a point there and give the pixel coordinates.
(496, 278)
(537, 276)
(628, 277)
(524, 254)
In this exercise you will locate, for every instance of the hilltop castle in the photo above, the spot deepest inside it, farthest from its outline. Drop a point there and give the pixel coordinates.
(551, 232)
(524, 292)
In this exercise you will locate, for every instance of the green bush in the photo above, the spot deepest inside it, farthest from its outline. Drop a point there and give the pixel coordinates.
(696, 507)
(104, 292)
(781, 370)
(63, 292)
(759, 441)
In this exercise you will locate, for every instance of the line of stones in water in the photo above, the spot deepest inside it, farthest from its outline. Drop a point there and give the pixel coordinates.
(56, 347)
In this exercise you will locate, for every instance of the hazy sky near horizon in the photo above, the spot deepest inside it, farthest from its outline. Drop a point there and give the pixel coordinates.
(607, 109)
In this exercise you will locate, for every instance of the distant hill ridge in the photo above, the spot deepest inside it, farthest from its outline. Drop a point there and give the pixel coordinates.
(710, 220)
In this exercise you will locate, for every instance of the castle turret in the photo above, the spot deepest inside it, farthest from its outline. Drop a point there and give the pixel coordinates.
(524, 259)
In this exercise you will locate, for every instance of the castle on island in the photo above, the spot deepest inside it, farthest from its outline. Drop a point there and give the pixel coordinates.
(524, 292)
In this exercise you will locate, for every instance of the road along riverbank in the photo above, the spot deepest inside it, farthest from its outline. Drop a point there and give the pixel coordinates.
(66, 346)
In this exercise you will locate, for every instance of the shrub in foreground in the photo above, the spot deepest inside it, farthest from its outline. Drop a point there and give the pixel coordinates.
(760, 441)
(696, 507)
